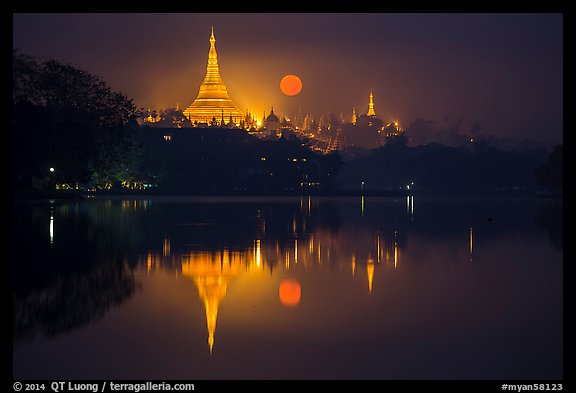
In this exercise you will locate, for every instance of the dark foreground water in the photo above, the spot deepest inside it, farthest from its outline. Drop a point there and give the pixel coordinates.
(221, 288)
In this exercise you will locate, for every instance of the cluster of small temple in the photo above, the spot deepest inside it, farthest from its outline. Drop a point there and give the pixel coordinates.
(214, 108)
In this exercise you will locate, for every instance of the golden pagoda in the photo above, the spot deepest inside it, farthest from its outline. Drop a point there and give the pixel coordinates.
(371, 111)
(212, 101)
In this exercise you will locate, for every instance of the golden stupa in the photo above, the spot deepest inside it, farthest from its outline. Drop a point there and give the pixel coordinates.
(213, 102)
(371, 111)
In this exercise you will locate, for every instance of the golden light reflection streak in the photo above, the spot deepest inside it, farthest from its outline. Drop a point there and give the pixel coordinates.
(370, 272)
(166, 247)
(51, 225)
(295, 250)
(395, 250)
(362, 205)
(353, 264)
(258, 253)
(410, 206)
(378, 247)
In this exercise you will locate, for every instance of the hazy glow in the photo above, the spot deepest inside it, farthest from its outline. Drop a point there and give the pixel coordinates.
(423, 72)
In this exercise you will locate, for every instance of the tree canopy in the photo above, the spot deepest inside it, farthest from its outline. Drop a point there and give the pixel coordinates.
(69, 120)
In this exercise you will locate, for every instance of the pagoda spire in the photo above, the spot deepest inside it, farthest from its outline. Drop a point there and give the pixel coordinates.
(212, 97)
(371, 111)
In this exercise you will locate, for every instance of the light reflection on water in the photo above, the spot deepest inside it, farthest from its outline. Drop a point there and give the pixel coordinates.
(288, 288)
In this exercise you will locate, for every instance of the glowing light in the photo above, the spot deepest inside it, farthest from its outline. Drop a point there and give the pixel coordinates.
(370, 272)
(311, 244)
(471, 240)
(149, 261)
(51, 227)
(291, 85)
(362, 205)
(295, 250)
(353, 264)
(371, 111)
(258, 253)
(51, 169)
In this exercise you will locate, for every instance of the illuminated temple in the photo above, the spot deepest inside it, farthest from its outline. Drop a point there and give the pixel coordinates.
(212, 102)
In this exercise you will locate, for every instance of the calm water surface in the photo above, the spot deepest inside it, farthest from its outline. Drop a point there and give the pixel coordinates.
(231, 288)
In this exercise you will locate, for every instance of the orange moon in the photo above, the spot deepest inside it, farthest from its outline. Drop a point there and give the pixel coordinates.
(291, 85)
(289, 293)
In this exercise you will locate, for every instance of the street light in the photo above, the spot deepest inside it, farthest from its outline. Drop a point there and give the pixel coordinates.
(51, 169)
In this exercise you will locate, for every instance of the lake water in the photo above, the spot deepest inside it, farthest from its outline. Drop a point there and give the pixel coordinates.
(282, 288)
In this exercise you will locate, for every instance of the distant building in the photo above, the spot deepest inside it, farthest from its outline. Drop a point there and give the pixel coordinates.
(272, 122)
(212, 102)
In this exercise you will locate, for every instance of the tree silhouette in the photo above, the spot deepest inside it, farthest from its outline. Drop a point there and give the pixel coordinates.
(71, 121)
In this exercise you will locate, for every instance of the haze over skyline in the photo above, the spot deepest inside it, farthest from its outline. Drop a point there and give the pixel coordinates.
(504, 71)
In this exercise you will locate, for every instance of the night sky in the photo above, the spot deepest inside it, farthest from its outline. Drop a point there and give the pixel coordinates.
(504, 71)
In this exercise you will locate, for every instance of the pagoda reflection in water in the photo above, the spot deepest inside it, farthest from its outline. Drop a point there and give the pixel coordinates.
(213, 271)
